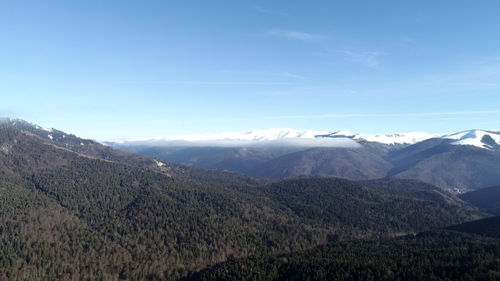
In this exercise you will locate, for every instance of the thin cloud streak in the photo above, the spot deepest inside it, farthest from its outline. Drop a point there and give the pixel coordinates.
(468, 78)
(281, 74)
(295, 35)
(223, 83)
(369, 59)
(291, 75)
(356, 115)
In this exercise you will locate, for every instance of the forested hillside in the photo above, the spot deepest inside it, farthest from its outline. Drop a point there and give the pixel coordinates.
(66, 215)
(375, 208)
(440, 255)
(117, 218)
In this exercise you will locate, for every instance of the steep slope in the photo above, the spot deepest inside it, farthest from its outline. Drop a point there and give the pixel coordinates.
(356, 164)
(442, 163)
(94, 149)
(486, 199)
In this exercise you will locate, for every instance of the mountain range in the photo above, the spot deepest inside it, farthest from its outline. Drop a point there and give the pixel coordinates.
(457, 162)
(469, 137)
(75, 209)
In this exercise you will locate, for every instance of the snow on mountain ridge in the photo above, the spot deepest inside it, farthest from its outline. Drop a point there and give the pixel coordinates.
(473, 137)
(470, 137)
(274, 134)
(254, 135)
(284, 134)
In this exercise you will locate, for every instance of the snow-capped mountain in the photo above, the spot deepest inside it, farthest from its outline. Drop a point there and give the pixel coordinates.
(478, 138)
(455, 161)
(254, 135)
(271, 135)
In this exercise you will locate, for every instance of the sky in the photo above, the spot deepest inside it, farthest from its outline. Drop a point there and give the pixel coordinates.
(122, 69)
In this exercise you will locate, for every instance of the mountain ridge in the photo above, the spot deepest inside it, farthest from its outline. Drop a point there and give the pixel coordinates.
(457, 162)
(467, 137)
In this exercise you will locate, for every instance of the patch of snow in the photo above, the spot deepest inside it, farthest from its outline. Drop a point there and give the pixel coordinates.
(50, 136)
(160, 164)
(50, 130)
(5, 148)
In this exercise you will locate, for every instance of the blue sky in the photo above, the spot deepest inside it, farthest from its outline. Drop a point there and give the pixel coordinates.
(107, 69)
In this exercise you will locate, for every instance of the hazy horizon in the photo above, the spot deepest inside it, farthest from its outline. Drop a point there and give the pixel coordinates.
(217, 138)
(126, 70)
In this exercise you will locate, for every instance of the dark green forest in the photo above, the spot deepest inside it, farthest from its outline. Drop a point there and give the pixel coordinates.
(440, 255)
(486, 199)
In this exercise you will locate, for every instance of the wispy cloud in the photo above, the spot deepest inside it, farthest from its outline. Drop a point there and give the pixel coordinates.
(274, 74)
(207, 83)
(295, 35)
(410, 114)
(368, 59)
(371, 115)
(478, 78)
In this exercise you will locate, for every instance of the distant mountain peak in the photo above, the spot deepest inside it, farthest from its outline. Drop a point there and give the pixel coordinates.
(399, 138)
(479, 138)
(22, 124)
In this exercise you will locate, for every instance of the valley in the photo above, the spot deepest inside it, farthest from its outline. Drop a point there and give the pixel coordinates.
(457, 162)
(76, 209)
